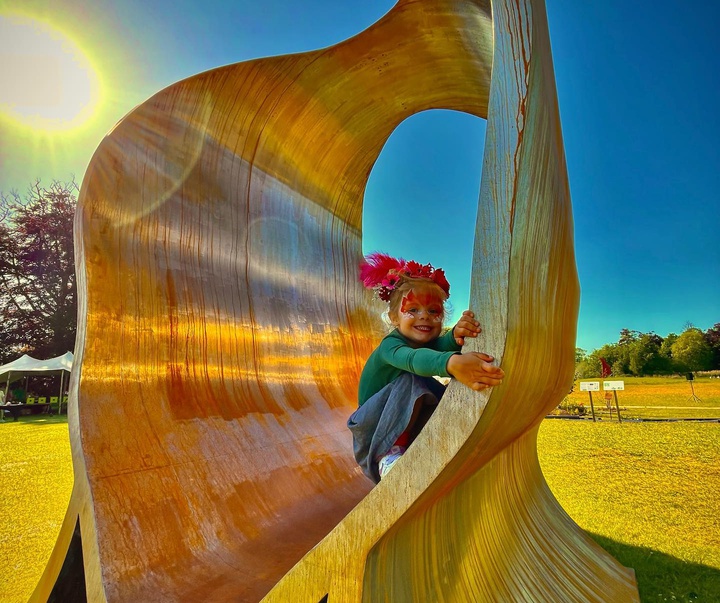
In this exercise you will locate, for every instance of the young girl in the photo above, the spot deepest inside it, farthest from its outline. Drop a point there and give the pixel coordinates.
(397, 391)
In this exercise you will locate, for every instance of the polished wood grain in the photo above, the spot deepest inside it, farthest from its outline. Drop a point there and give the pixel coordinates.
(222, 332)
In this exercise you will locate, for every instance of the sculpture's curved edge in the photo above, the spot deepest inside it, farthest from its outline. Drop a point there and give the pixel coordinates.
(499, 536)
(73, 571)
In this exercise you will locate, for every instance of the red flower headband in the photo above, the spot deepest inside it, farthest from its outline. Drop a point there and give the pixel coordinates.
(381, 273)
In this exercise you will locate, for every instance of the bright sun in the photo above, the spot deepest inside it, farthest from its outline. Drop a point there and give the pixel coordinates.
(47, 82)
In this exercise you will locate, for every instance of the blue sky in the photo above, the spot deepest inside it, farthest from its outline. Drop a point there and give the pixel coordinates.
(638, 93)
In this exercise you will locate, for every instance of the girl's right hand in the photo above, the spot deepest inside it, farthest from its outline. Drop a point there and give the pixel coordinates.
(467, 326)
(474, 370)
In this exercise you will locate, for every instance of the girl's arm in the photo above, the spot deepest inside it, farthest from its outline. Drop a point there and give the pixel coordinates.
(474, 369)
(425, 362)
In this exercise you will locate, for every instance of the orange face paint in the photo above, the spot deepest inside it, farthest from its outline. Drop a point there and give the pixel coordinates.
(414, 304)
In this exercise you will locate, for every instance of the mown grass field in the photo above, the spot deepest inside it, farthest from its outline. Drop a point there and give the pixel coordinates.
(647, 492)
(35, 481)
(656, 397)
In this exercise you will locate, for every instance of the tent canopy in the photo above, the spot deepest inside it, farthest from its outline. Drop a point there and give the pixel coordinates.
(29, 366)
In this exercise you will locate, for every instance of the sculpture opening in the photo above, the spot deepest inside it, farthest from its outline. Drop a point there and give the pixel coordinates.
(406, 175)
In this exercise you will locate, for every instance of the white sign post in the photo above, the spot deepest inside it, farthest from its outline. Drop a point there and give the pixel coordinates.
(590, 387)
(614, 387)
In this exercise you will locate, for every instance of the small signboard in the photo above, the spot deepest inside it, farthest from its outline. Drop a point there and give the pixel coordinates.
(616, 386)
(589, 386)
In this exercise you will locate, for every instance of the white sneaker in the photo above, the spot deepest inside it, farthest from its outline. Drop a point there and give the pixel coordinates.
(387, 461)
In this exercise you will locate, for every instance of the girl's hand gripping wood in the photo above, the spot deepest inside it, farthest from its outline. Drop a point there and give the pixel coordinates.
(474, 370)
(467, 326)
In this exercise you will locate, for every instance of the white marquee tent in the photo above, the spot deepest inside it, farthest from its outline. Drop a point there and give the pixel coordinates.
(27, 366)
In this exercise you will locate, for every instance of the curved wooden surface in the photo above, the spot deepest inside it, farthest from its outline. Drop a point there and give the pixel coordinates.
(222, 332)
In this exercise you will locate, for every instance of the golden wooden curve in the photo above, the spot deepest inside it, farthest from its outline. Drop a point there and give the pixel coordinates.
(222, 331)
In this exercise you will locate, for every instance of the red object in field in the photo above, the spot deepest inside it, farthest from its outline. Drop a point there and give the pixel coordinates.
(606, 370)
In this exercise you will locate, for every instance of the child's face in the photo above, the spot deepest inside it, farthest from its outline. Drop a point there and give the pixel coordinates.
(420, 317)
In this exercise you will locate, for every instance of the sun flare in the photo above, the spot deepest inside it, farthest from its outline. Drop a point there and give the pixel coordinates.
(48, 83)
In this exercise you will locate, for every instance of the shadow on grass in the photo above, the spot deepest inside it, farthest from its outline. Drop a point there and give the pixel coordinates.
(662, 577)
(41, 419)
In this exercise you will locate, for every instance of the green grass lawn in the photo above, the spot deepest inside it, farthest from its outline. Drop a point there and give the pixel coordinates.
(647, 492)
(35, 481)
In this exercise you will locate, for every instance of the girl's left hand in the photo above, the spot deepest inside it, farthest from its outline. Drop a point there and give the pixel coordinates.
(467, 326)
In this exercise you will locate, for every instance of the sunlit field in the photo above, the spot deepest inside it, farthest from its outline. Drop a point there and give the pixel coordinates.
(35, 481)
(655, 397)
(646, 491)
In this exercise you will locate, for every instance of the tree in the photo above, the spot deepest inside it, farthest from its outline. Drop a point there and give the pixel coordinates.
(691, 352)
(620, 361)
(610, 351)
(588, 367)
(627, 336)
(38, 302)
(619, 368)
(666, 347)
(641, 354)
(645, 357)
(712, 337)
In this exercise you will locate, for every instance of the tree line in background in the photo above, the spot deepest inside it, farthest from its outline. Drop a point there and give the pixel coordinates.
(38, 298)
(642, 354)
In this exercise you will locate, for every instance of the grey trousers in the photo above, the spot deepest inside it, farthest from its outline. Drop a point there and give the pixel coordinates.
(379, 422)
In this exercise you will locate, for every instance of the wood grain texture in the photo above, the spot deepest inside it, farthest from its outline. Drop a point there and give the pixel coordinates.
(222, 332)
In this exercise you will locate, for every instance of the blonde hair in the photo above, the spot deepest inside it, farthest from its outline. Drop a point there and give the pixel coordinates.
(407, 284)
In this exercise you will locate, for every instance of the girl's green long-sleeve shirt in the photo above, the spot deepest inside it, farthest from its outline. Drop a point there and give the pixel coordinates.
(395, 355)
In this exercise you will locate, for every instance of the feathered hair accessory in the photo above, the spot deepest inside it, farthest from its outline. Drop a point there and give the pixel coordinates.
(382, 273)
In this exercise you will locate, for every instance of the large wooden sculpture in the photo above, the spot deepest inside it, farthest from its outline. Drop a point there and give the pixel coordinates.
(222, 332)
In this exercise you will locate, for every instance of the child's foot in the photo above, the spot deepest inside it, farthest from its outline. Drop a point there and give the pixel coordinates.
(387, 461)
